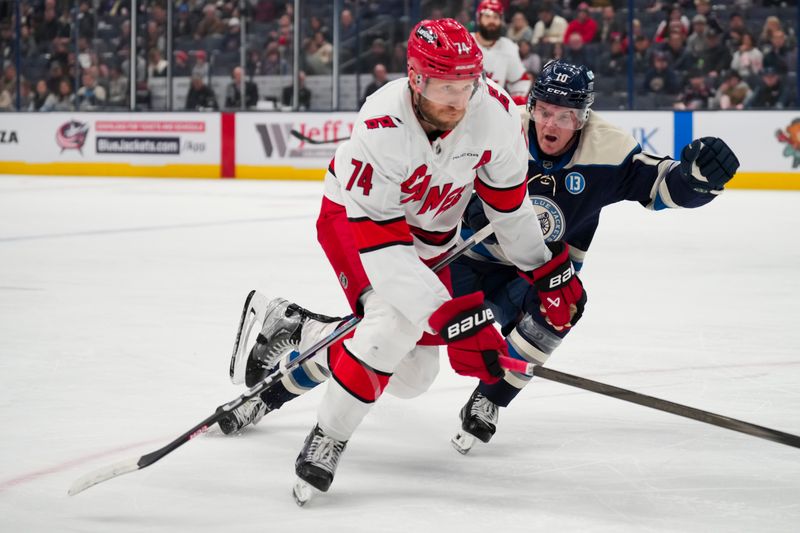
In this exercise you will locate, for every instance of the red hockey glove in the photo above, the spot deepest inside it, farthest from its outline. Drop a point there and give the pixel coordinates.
(473, 343)
(560, 291)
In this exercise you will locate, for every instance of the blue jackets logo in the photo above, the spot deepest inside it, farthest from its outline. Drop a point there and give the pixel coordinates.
(551, 218)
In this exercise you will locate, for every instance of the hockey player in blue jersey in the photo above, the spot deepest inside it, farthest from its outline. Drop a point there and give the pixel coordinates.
(579, 163)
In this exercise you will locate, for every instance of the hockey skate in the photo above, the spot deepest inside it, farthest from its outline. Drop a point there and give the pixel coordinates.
(479, 418)
(268, 331)
(316, 465)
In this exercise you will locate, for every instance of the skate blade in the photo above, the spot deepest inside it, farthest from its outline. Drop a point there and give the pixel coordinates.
(302, 492)
(463, 442)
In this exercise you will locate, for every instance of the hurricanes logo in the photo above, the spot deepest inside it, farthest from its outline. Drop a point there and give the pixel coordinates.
(72, 136)
(791, 136)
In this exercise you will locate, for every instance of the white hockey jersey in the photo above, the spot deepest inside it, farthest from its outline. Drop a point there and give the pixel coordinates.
(502, 64)
(404, 195)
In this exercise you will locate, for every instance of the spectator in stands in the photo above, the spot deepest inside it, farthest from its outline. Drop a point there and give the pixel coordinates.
(519, 29)
(378, 54)
(118, 86)
(530, 59)
(771, 25)
(324, 53)
(86, 21)
(675, 47)
(610, 24)
(304, 95)
(736, 27)
(347, 28)
(50, 28)
(614, 60)
(233, 95)
(6, 103)
(274, 64)
(550, 28)
(642, 53)
(772, 92)
(211, 23)
(42, 99)
(200, 68)
(154, 36)
(65, 100)
(583, 25)
(674, 15)
(399, 53)
(696, 92)
(529, 8)
(703, 7)
(157, 65)
(576, 53)
(91, 96)
(233, 37)
(778, 54)
(200, 96)
(748, 59)
(661, 78)
(379, 79)
(732, 93)
(696, 43)
(184, 25)
(180, 64)
(716, 58)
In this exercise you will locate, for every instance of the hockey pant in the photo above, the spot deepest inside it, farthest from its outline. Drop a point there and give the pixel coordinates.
(515, 304)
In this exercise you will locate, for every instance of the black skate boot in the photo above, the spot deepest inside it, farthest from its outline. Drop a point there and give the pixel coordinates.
(479, 418)
(250, 412)
(316, 464)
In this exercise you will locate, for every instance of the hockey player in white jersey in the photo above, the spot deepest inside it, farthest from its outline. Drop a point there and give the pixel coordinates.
(501, 60)
(394, 197)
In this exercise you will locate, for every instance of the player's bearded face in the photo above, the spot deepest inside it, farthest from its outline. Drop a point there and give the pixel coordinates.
(443, 103)
(555, 127)
(490, 25)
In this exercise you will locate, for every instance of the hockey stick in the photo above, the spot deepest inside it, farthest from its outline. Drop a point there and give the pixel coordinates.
(297, 135)
(134, 464)
(669, 407)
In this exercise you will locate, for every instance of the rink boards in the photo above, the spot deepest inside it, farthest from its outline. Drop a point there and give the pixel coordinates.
(259, 145)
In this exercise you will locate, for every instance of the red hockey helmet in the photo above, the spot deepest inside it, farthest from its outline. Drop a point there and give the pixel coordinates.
(495, 6)
(443, 49)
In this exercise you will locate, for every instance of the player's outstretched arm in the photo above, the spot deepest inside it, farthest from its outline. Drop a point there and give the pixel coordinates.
(708, 164)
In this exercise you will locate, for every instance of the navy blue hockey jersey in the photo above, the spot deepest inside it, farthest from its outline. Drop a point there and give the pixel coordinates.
(605, 166)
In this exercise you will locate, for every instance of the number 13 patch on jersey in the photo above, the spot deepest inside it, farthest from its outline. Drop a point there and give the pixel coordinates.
(575, 182)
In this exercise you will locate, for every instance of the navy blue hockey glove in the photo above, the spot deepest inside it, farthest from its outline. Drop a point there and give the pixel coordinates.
(475, 218)
(708, 163)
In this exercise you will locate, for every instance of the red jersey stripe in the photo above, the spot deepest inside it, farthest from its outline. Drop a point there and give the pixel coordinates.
(503, 200)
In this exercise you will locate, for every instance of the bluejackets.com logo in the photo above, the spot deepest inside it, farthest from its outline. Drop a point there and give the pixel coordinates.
(72, 136)
(551, 218)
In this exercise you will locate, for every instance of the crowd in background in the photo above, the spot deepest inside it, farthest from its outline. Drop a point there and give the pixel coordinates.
(730, 54)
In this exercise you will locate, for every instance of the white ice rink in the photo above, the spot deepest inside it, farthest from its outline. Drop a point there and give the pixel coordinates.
(119, 300)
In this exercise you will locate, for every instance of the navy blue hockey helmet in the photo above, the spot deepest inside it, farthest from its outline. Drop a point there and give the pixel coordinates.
(564, 84)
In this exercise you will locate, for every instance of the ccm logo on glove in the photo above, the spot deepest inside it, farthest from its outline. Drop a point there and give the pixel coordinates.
(462, 328)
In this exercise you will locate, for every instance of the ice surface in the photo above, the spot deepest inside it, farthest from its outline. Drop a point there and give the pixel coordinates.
(119, 300)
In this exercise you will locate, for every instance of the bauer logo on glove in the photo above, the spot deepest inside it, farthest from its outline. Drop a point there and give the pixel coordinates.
(560, 290)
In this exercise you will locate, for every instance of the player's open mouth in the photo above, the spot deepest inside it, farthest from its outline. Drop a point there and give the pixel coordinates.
(550, 138)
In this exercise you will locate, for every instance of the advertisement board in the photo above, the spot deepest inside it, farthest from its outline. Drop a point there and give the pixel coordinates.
(265, 146)
(653, 130)
(112, 144)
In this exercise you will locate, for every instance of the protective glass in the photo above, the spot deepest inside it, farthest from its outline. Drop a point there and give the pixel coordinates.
(565, 118)
(455, 93)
